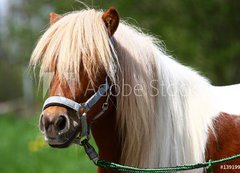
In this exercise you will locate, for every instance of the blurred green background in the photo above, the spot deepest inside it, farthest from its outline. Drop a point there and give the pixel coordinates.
(199, 33)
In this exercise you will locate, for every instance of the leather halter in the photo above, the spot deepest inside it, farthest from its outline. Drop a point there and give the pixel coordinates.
(78, 107)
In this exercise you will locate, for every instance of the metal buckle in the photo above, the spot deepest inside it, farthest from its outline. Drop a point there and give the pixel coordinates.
(105, 106)
(91, 152)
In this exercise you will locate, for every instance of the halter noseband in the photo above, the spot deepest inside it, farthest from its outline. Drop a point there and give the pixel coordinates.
(86, 106)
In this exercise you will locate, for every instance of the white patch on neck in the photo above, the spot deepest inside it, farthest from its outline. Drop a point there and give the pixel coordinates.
(227, 98)
(183, 119)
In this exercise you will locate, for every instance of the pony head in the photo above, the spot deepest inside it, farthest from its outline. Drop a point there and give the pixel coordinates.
(77, 53)
(80, 52)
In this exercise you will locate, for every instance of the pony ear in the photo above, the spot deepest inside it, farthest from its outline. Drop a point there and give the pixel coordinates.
(111, 20)
(54, 17)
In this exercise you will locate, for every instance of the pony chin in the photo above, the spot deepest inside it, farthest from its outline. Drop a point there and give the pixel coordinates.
(66, 143)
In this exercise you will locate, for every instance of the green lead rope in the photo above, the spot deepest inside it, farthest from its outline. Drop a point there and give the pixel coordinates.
(121, 168)
(208, 165)
(92, 154)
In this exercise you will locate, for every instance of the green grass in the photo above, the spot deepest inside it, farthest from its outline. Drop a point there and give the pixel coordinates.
(22, 150)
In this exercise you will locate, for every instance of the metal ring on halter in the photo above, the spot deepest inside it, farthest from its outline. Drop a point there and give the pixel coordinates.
(105, 106)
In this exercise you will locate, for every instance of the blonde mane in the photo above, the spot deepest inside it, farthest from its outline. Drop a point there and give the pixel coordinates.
(157, 128)
(78, 38)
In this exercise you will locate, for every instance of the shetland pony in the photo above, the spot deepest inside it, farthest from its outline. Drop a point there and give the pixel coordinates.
(160, 113)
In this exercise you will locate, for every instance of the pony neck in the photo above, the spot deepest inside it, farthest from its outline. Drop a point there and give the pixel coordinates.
(177, 117)
(106, 137)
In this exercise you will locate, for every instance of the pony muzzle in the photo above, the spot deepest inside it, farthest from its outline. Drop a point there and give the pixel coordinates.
(56, 128)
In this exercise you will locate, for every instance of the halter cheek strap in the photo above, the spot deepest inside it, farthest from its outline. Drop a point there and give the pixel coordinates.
(63, 101)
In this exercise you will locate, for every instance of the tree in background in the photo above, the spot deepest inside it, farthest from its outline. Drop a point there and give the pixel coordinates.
(202, 34)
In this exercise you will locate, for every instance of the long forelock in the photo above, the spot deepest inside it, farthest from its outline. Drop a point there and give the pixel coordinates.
(79, 39)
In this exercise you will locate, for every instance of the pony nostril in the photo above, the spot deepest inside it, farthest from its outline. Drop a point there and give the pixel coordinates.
(47, 124)
(41, 124)
(61, 123)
